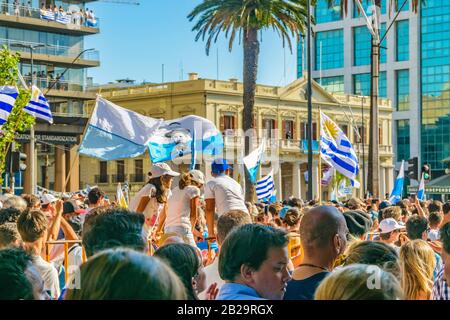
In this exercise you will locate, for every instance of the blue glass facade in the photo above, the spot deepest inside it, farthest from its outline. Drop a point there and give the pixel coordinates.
(300, 57)
(332, 84)
(362, 44)
(435, 51)
(402, 35)
(361, 84)
(402, 90)
(403, 146)
(323, 13)
(332, 43)
(367, 4)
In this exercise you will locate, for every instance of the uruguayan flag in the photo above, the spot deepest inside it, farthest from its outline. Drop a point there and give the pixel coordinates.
(253, 161)
(116, 133)
(265, 187)
(63, 18)
(47, 15)
(176, 138)
(421, 192)
(336, 149)
(396, 194)
(38, 106)
(8, 96)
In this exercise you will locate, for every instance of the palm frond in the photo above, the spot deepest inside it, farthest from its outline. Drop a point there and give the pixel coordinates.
(229, 17)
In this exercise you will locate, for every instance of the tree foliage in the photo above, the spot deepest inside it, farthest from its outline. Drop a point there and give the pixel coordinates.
(18, 120)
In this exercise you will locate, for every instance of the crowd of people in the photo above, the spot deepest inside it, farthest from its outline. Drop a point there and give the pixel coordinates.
(199, 240)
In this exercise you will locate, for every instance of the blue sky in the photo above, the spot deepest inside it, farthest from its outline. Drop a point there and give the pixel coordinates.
(135, 41)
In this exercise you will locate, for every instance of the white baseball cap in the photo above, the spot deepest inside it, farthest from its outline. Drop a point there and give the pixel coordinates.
(389, 225)
(48, 198)
(160, 169)
(197, 176)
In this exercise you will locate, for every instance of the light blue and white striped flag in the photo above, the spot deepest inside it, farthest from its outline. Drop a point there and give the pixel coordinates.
(396, 194)
(337, 150)
(8, 96)
(253, 161)
(265, 187)
(38, 106)
(421, 192)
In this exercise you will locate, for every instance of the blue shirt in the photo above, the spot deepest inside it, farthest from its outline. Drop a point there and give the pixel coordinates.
(304, 289)
(236, 291)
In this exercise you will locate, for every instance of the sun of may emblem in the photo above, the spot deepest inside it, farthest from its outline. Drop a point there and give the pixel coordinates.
(331, 129)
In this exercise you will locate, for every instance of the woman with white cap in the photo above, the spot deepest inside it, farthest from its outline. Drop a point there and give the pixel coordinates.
(152, 199)
(183, 206)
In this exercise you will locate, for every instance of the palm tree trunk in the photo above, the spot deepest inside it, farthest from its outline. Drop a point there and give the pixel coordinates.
(251, 55)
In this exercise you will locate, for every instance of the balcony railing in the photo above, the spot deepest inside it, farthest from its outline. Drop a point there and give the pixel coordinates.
(63, 85)
(102, 179)
(69, 18)
(137, 177)
(52, 50)
(119, 178)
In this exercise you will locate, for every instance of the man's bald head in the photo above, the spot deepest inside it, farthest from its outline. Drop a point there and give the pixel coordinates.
(320, 225)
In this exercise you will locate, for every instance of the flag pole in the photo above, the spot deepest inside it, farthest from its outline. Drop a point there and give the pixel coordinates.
(319, 187)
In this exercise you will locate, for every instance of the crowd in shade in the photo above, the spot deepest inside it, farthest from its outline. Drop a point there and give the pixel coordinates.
(182, 237)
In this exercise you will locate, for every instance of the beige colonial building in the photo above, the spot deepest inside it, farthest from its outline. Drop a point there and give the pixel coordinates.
(282, 109)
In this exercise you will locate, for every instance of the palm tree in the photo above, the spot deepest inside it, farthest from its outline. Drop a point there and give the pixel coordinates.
(246, 18)
(373, 183)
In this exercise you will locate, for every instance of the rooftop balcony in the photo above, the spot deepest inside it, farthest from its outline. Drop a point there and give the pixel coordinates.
(59, 55)
(26, 17)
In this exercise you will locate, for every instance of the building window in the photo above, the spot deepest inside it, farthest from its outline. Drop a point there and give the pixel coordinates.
(329, 49)
(120, 171)
(362, 45)
(300, 56)
(288, 129)
(227, 123)
(403, 150)
(103, 177)
(361, 84)
(435, 71)
(332, 84)
(402, 52)
(138, 170)
(344, 128)
(323, 12)
(304, 130)
(402, 88)
(269, 125)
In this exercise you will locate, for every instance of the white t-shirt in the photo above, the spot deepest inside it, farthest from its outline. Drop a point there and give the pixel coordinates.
(227, 193)
(433, 235)
(179, 206)
(49, 275)
(212, 275)
(153, 208)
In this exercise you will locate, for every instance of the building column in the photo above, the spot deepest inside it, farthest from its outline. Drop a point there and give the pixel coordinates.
(278, 184)
(60, 170)
(73, 169)
(315, 179)
(296, 180)
(27, 188)
(389, 178)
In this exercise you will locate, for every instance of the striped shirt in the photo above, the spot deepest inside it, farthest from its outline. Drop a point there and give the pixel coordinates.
(441, 290)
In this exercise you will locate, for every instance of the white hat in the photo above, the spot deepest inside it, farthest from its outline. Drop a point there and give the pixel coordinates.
(389, 225)
(160, 169)
(197, 176)
(48, 198)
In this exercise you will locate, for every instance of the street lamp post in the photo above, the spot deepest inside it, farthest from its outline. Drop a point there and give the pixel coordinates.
(32, 161)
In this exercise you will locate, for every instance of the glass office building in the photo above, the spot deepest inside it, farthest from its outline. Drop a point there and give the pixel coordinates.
(435, 68)
(414, 71)
(60, 70)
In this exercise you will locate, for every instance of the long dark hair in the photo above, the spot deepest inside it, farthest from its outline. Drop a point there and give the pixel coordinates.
(184, 261)
(161, 191)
